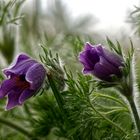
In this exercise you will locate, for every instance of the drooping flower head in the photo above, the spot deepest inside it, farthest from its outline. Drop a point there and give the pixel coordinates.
(24, 78)
(100, 62)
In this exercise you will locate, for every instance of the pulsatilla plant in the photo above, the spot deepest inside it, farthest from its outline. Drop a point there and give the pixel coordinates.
(89, 108)
(113, 69)
(78, 106)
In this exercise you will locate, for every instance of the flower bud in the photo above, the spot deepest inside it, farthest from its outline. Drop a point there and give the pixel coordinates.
(101, 62)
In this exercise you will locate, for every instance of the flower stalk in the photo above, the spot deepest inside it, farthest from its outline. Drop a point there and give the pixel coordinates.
(128, 89)
(131, 99)
(60, 101)
(57, 94)
(136, 118)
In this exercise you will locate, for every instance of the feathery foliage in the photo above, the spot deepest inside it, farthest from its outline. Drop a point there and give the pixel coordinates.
(82, 110)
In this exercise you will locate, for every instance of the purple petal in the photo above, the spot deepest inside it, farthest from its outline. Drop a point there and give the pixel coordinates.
(13, 99)
(111, 57)
(104, 70)
(89, 58)
(35, 76)
(25, 95)
(20, 58)
(20, 68)
(88, 46)
(6, 86)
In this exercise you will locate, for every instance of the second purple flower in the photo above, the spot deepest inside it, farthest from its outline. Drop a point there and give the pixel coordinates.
(25, 78)
(101, 62)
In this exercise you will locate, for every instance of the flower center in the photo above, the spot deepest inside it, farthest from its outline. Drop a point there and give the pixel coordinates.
(21, 82)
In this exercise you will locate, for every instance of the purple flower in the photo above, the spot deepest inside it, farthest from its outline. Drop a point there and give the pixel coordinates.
(101, 62)
(25, 78)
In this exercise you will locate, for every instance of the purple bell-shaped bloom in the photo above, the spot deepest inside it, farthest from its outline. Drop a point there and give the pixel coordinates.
(101, 62)
(25, 78)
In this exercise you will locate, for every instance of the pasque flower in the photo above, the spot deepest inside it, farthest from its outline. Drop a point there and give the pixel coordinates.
(101, 62)
(24, 78)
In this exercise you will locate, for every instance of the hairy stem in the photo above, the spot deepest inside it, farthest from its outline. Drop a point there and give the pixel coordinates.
(17, 128)
(60, 102)
(131, 90)
(135, 115)
(56, 93)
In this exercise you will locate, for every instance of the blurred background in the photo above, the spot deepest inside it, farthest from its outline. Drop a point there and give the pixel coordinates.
(58, 22)
(62, 26)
